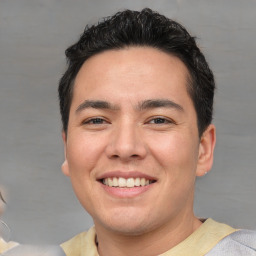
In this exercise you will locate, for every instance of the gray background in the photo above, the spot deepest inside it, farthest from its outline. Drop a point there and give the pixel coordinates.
(33, 36)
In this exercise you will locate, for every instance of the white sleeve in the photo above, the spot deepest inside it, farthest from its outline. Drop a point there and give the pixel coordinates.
(239, 243)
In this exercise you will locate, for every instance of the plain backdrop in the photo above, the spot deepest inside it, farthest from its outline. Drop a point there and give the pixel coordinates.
(33, 37)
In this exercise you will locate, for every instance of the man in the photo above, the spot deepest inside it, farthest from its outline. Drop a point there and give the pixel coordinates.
(136, 105)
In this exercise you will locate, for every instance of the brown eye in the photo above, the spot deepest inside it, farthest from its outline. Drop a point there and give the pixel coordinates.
(95, 121)
(159, 120)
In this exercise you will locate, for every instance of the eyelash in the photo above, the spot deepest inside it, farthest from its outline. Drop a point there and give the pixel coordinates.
(155, 121)
(95, 121)
(162, 120)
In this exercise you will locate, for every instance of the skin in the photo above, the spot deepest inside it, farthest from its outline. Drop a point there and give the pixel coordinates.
(128, 135)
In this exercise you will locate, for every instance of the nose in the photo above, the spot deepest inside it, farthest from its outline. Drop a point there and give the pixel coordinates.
(126, 143)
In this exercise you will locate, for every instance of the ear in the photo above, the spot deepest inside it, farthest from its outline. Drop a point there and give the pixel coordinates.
(206, 149)
(65, 167)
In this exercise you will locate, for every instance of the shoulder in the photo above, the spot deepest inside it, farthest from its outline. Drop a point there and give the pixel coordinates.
(74, 244)
(244, 236)
(241, 242)
(81, 244)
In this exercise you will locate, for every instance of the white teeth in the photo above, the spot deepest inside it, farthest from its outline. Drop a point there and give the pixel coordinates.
(122, 182)
(130, 183)
(137, 182)
(110, 182)
(126, 183)
(115, 182)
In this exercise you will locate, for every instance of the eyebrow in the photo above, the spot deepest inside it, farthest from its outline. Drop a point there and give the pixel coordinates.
(97, 104)
(159, 103)
(144, 105)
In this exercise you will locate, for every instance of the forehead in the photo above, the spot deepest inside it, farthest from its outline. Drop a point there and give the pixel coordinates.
(131, 72)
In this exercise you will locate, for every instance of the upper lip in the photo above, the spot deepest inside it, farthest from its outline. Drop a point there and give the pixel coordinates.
(126, 175)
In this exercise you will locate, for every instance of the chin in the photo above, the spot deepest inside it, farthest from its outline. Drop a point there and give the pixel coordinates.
(128, 229)
(127, 223)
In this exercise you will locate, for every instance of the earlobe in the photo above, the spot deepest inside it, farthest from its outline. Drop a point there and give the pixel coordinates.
(206, 149)
(64, 166)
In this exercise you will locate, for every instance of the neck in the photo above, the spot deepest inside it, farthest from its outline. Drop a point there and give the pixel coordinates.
(154, 242)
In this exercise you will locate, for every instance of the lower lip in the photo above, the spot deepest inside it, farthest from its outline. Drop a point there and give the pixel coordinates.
(126, 192)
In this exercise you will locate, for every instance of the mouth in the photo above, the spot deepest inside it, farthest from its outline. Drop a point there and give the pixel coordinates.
(120, 182)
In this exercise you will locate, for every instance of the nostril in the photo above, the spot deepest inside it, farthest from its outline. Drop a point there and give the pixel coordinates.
(132, 156)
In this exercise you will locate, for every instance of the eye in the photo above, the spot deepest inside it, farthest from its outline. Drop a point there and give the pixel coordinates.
(95, 121)
(160, 120)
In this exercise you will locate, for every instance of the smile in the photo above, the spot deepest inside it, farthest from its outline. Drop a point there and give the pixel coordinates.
(121, 182)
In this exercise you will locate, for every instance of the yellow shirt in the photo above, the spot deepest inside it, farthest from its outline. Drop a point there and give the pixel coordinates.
(198, 243)
(4, 246)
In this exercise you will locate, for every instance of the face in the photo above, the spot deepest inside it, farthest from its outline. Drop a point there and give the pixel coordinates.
(132, 148)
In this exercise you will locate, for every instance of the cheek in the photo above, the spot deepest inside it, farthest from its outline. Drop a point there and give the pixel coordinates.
(176, 153)
(177, 156)
(83, 153)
